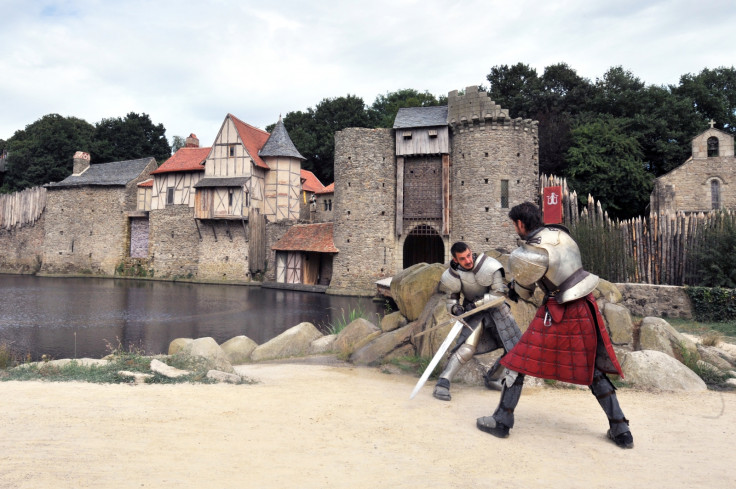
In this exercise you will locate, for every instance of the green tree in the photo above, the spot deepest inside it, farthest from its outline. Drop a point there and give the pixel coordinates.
(313, 131)
(713, 95)
(43, 152)
(517, 88)
(177, 142)
(129, 138)
(384, 108)
(606, 162)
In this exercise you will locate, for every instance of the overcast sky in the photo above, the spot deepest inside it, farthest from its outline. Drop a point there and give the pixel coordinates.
(187, 64)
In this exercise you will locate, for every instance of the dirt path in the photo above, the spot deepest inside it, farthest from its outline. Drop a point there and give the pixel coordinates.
(316, 426)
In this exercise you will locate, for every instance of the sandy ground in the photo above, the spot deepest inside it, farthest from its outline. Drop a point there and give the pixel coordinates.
(318, 426)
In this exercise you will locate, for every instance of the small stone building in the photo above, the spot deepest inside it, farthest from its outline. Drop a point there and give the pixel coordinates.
(705, 182)
(442, 174)
(90, 215)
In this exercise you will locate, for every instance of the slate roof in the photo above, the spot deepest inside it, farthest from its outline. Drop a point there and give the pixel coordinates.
(222, 182)
(421, 117)
(185, 159)
(253, 139)
(308, 237)
(310, 182)
(115, 173)
(280, 144)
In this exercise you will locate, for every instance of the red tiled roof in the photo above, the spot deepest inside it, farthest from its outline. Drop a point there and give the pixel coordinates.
(253, 139)
(310, 182)
(146, 183)
(330, 189)
(308, 237)
(185, 159)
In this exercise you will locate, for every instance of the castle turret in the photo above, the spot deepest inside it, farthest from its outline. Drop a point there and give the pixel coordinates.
(283, 181)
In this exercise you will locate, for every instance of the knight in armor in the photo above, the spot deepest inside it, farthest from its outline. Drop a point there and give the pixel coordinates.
(567, 339)
(474, 276)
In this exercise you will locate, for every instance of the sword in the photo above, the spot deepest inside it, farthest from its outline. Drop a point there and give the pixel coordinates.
(481, 304)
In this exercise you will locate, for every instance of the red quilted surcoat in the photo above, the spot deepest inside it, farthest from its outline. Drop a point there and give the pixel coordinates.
(566, 349)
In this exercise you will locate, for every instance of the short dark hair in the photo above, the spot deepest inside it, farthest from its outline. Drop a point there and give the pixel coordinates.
(458, 247)
(527, 213)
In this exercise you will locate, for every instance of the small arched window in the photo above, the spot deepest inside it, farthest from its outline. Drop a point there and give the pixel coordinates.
(715, 194)
(712, 146)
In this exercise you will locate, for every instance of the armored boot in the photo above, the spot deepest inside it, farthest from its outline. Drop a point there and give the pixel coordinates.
(494, 376)
(605, 392)
(442, 388)
(502, 419)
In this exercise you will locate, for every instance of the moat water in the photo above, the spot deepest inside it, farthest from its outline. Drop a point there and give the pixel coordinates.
(84, 317)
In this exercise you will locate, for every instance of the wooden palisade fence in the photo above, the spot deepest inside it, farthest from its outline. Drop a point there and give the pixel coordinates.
(658, 249)
(20, 208)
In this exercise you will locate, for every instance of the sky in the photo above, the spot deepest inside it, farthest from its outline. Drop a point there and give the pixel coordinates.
(187, 64)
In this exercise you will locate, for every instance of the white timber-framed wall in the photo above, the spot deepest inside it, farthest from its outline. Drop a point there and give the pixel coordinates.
(181, 185)
(283, 188)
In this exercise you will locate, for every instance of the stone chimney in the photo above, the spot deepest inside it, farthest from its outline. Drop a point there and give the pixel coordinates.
(191, 141)
(81, 162)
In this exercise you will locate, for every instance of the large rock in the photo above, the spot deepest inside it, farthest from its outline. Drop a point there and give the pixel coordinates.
(428, 343)
(322, 345)
(657, 334)
(374, 352)
(206, 353)
(412, 287)
(649, 368)
(238, 349)
(711, 355)
(620, 325)
(294, 341)
(178, 344)
(354, 336)
(607, 291)
(392, 321)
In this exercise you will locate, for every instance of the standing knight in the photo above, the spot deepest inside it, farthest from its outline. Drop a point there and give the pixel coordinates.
(567, 339)
(474, 277)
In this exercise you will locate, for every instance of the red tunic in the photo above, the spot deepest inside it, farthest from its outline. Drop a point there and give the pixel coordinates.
(565, 350)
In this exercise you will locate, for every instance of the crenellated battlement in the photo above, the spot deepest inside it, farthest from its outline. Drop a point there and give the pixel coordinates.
(475, 108)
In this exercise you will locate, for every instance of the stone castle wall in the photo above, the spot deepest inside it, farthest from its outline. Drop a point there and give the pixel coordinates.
(21, 247)
(364, 208)
(173, 242)
(223, 251)
(86, 230)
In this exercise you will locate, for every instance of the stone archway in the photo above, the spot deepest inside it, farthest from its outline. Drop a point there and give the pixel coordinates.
(423, 245)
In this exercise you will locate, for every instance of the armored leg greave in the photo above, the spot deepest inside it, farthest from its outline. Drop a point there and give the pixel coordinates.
(510, 395)
(605, 392)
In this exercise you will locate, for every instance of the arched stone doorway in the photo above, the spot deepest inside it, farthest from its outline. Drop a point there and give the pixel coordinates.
(423, 244)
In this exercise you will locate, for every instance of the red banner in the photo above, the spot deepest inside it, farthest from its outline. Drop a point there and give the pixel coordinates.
(552, 205)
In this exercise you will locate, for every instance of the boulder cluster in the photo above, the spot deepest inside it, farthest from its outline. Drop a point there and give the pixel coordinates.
(651, 352)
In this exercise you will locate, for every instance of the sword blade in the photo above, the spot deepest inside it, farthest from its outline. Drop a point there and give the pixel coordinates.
(437, 357)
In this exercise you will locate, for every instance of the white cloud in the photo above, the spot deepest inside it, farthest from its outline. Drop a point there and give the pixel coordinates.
(188, 63)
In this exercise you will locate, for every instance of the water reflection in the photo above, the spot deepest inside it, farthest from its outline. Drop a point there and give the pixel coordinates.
(78, 317)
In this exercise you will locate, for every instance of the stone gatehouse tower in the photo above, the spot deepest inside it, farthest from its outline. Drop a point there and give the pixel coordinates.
(442, 174)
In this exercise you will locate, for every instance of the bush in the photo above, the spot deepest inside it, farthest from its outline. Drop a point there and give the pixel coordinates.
(712, 304)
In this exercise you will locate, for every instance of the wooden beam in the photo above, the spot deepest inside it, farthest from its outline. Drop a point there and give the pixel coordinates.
(399, 195)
